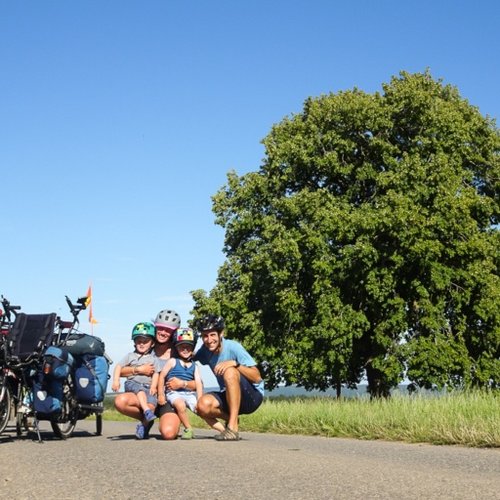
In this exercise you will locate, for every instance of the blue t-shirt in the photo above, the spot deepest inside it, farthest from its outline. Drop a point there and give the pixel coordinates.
(231, 350)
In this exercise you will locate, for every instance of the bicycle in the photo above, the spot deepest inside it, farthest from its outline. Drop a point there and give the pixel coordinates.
(8, 380)
(31, 349)
(73, 409)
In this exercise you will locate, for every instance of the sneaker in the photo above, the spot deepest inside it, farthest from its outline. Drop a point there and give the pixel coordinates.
(149, 416)
(139, 431)
(187, 434)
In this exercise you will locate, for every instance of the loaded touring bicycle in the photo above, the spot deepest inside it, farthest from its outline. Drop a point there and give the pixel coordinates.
(52, 372)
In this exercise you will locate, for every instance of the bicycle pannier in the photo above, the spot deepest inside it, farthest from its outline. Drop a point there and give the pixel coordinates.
(57, 363)
(91, 378)
(47, 397)
(82, 343)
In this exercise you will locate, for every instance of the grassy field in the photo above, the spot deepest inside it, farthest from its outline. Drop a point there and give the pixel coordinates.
(467, 419)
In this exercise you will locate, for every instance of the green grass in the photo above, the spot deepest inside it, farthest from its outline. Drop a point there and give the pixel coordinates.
(467, 419)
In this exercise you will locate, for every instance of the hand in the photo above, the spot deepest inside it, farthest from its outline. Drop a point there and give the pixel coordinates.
(220, 368)
(115, 387)
(153, 391)
(161, 400)
(174, 384)
(147, 370)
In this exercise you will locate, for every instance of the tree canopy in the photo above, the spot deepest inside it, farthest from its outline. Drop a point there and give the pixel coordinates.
(367, 243)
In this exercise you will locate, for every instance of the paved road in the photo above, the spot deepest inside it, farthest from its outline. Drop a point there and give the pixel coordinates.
(260, 466)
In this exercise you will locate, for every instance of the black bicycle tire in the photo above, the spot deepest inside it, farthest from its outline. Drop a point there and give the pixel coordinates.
(63, 430)
(5, 408)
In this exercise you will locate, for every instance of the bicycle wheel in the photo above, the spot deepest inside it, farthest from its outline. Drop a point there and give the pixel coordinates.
(65, 425)
(63, 430)
(5, 406)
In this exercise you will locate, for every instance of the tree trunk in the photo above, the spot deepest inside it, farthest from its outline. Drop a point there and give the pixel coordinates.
(378, 387)
(338, 388)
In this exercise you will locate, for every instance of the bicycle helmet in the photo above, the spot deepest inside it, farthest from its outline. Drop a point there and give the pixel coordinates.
(185, 336)
(168, 318)
(211, 322)
(145, 329)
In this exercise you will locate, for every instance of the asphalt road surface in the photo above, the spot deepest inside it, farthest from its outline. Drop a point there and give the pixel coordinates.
(116, 465)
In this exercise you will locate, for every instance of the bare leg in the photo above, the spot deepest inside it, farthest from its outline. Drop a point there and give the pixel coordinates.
(169, 426)
(143, 402)
(215, 424)
(128, 404)
(180, 408)
(208, 409)
(233, 396)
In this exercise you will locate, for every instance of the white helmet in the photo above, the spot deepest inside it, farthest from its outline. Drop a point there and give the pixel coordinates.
(168, 318)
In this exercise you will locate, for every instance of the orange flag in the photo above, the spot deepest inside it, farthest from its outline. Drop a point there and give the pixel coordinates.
(88, 303)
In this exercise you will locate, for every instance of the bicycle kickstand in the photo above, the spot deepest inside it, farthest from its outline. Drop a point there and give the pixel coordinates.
(37, 430)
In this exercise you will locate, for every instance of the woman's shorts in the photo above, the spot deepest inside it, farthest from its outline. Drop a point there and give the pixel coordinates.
(164, 409)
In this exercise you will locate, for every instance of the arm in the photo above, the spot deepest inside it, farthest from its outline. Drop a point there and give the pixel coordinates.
(154, 383)
(116, 378)
(198, 383)
(161, 382)
(148, 370)
(176, 383)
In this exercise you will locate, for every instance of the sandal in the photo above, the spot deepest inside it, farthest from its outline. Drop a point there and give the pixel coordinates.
(228, 435)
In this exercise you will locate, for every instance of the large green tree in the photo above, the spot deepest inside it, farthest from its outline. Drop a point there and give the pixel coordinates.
(367, 243)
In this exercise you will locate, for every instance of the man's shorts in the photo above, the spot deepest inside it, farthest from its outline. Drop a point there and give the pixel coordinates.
(135, 387)
(251, 398)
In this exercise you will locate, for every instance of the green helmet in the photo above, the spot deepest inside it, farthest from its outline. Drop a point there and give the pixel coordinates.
(143, 330)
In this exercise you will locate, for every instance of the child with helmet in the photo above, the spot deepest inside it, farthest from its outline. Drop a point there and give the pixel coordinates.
(182, 367)
(143, 386)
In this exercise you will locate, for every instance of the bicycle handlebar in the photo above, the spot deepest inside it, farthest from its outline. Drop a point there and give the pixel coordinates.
(8, 308)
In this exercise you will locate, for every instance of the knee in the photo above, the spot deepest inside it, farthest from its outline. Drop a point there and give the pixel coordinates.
(169, 426)
(120, 402)
(232, 376)
(204, 406)
(168, 433)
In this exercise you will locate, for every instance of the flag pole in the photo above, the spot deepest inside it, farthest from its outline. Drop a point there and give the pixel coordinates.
(88, 302)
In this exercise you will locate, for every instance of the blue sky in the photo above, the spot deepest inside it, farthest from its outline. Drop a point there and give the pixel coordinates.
(120, 119)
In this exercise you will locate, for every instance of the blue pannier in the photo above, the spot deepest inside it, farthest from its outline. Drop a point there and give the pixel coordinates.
(57, 363)
(91, 378)
(47, 397)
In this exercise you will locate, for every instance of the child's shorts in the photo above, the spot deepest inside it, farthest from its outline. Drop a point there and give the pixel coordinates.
(135, 387)
(188, 396)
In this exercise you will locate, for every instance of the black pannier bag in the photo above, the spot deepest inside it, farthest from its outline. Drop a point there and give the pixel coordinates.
(78, 344)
